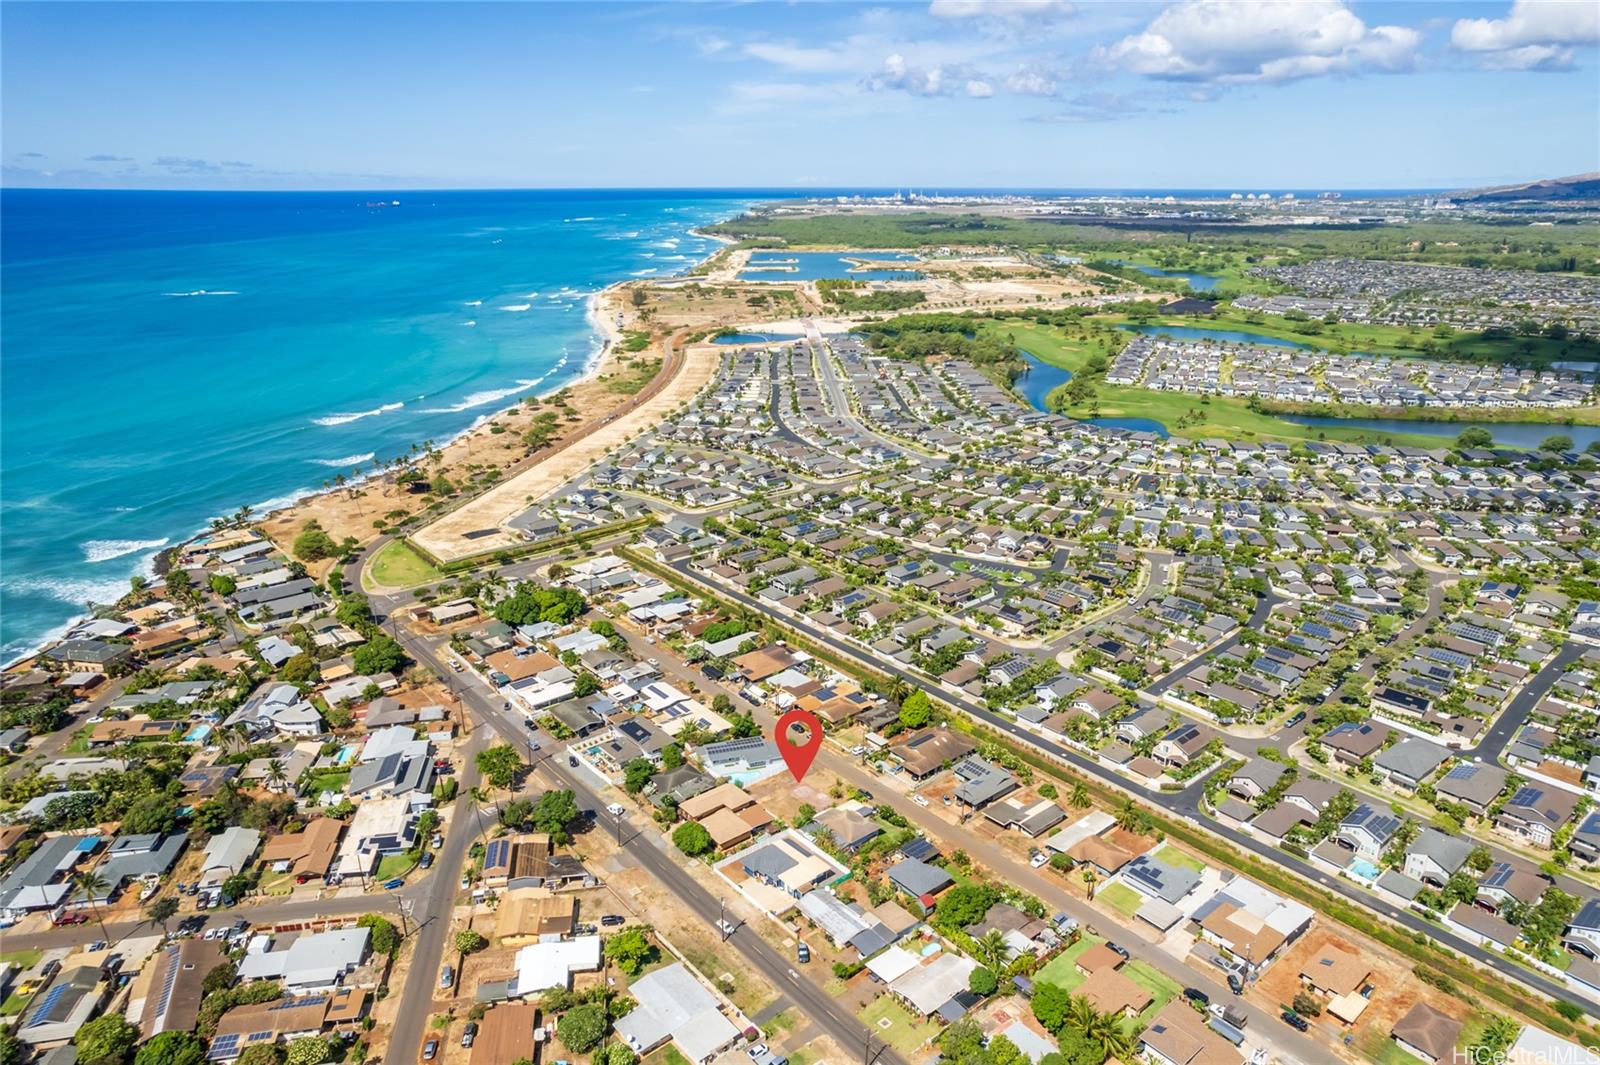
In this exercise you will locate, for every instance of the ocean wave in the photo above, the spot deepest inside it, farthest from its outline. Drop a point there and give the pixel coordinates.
(479, 399)
(583, 218)
(203, 292)
(470, 321)
(516, 306)
(348, 460)
(670, 243)
(531, 296)
(75, 591)
(345, 419)
(105, 550)
(645, 272)
(474, 303)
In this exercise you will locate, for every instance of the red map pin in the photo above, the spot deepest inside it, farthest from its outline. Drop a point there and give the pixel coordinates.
(798, 754)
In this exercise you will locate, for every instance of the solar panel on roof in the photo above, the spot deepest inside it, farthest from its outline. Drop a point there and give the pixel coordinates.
(1462, 772)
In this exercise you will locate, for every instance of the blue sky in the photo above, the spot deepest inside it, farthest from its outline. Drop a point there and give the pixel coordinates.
(952, 93)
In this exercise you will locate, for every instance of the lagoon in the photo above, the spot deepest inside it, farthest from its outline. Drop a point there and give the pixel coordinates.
(1198, 282)
(1229, 336)
(753, 338)
(1041, 378)
(824, 265)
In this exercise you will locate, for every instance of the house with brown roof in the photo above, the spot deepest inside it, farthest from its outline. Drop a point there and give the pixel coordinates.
(1177, 1036)
(307, 854)
(505, 1034)
(1427, 1033)
(1113, 993)
(528, 915)
(1098, 958)
(929, 750)
(765, 662)
(179, 970)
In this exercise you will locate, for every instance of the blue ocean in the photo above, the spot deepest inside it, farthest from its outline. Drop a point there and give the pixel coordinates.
(171, 356)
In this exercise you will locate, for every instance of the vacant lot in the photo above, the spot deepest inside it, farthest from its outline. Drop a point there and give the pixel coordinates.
(893, 1023)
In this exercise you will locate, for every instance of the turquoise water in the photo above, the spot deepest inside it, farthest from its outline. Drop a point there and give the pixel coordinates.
(1198, 282)
(751, 338)
(1506, 434)
(1231, 336)
(170, 357)
(819, 265)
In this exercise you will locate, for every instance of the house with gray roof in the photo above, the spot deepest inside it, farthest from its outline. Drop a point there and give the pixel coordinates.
(137, 857)
(57, 1013)
(1255, 778)
(1410, 762)
(918, 879)
(1434, 857)
(1157, 878)
(1367, 831)
(314, 962)
(982, 782)
(1535, 813)
(1474, 784)
(40, 881)
(228, 853)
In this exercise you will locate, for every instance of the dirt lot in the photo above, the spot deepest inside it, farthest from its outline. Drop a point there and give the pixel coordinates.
(1396, 989)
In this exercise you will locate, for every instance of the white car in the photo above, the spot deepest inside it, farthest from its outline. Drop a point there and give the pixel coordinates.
(919, 800)
(1039, 859)
(725, 927)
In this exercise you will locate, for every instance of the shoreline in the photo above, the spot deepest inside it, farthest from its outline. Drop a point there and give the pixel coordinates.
(153, 566)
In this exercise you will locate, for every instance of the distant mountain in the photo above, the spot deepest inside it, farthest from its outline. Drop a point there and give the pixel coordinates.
(1577, 187)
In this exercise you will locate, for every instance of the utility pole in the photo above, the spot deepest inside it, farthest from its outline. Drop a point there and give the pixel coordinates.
(406, 907)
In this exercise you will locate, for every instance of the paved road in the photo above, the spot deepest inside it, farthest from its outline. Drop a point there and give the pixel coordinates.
(1258, 618)
(1494, 741)
(1183, 804)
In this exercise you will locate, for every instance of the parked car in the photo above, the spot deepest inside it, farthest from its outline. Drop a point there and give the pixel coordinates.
(572, 760)
(1294, 1020)
(447, 977)
(612, 919)
(1295, 720)
(430, 1049)
(1115, 949)
(919, 800)
(469, 1033)
(757, 1050)
(393, 885)
(1039, 858)
(436, 842)
(802, 953)
(1194, 994)
(1236, 983)
(427, 860)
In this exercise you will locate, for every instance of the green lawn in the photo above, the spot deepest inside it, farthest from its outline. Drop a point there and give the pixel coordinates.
(332, 780)
(1173, 856)
(1062, 969)
(398, 565)
(1159, 984)
(394, 865)
(1122, 898)
(1376, 1046)
(22, 959)
(902, 1031)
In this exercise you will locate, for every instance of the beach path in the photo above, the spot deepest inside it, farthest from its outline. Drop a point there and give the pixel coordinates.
(478, 525)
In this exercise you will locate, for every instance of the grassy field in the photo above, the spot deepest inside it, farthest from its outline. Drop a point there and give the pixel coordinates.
(1120, 897)
(397, 565)
(1376, 1046)
(887, 1019)
(393, 865)
(327, 780)
(1161, 986)
(1173, 856)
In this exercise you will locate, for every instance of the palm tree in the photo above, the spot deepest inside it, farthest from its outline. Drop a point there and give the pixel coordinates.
(993, 950)
(1081, 1014)
(91, 886)
(1127, 815)
(275, 774)
(1089, 877)
(1080, 796)
(1107, 1030)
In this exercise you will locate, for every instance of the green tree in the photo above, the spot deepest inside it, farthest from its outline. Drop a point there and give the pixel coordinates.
(221, 977)
(1474, 438)
(307, 1050)
(162, 910)
(636, 774)
(630, 949)
(313, 545)
(151, 814)
(11, 1049)
(1557, 442)
(500, 764)
(383, 936)
(964, 905)
(580, 1028)
(301, 669)
(106, 1038)
(619, 1053)
(691, 838)
(1050, 1003)
(917, 710)
(470, 941)
(381, 654)
(585, 685)
(171, 1048)
(805, 815)
(982, 981)
(529, 603)
(554, 811)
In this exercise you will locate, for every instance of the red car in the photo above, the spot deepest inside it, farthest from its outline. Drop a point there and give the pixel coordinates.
(71, 918)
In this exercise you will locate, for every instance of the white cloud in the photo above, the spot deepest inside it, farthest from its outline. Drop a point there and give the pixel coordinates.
(1031, 83)
(899, 75)
(1534, 35)
(1007, 10)
(711, 45)
(1267, 41)
(800, 58)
